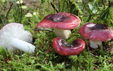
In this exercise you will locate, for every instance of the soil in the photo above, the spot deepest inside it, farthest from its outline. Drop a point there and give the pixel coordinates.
(32, 3)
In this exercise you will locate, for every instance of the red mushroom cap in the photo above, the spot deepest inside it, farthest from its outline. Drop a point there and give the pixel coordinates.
(99, 32)
(64, 48)
(60, 20)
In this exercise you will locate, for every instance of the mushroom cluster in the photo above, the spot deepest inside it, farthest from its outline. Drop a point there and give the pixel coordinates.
(13, 37)
(62, 23)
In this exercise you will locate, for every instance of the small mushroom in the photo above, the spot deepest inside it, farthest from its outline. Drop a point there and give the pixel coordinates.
(13, 37)
(61, 22)
(64, 48)
(96, 33)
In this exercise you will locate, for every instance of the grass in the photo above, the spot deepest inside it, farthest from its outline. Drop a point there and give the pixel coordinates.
(45, 58)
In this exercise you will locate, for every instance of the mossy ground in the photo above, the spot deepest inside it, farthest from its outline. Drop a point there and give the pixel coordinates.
(45, 58)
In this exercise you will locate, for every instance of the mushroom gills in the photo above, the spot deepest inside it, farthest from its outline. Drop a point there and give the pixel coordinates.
(94, 43)
(22, 45)
(64, 48)
(62, 33)
(64, 43)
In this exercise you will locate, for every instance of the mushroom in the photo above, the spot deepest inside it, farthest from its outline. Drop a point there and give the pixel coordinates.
(64, 48)
(61, 22)
(13, 37)
(96, 33)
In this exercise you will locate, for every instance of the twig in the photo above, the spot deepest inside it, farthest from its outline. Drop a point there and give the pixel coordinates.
(2, 7)
(9, 9)
(5, 19)
(54, 7)
(103, 3)
(4, 12)
(109, 3)
(43, 30)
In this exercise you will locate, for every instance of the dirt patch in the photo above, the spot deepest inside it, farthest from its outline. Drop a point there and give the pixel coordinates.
(32, 3)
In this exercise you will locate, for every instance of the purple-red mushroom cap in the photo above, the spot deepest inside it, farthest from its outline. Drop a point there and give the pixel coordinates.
(64, 48)
(99, 32)
(96, 33)
(61, 20)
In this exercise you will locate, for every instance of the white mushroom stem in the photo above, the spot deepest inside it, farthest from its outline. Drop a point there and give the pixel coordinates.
(62, 33)
(22, 45)
(94, 44)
